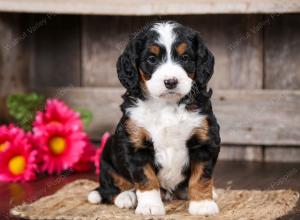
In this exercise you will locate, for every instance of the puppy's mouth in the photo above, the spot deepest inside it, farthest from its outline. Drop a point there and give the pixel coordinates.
(170, 94)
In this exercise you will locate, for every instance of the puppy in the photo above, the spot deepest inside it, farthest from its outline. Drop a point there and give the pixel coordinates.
(167, 141)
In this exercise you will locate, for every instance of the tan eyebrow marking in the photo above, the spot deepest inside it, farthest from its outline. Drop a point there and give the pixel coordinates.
(154, 49)
(181, 48)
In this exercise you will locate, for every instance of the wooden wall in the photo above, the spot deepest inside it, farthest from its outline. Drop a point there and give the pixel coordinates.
(256, 82)
(14, 58)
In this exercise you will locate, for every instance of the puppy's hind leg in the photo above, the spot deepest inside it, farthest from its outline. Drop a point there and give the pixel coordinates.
(113, 188)
(126, 199)
(94, 196)
(107, 190)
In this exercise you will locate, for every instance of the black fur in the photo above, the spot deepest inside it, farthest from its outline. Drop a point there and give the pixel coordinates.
(119, 155)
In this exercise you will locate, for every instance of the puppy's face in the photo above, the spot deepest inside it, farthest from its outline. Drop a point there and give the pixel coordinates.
(167, 63)
(167, 60)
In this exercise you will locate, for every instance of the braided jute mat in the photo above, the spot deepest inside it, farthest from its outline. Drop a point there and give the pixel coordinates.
(70, 203)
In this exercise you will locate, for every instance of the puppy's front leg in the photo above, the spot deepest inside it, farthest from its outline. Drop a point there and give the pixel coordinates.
(201, 190)
(148, 192)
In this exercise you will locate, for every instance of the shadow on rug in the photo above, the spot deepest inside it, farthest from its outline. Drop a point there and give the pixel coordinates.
(70, 203)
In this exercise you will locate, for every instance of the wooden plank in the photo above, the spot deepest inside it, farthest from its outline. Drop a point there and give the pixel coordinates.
(101, 49)
(282, 154)
(236, 46)
(146, 7)
(248, 117)
(248, 153)
(14, 58)
(57, 54)
(238, 58)
(267, 117)
(282, 57)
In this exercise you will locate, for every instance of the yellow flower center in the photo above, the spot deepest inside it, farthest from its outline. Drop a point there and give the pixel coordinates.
(3, 146)
(57, 145)
(17, 165)
(54, 122)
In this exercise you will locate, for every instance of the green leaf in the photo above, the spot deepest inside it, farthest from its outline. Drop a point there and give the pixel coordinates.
(23, 107)
(86, 117)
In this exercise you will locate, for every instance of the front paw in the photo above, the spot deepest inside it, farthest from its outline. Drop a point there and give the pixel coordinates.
(126, 199)
(150, 203)
(150, 209)
(203, 207)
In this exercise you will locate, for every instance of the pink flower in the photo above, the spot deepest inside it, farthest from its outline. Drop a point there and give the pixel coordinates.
(86, 161)
(58, 132)
(8, 134)
(60, 146)
(18, 160)
(57, 112)
(99, 151)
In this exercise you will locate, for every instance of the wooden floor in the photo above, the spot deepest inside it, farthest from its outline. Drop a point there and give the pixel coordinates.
(237, 175)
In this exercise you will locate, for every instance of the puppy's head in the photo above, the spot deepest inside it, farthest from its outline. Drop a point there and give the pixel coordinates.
(164, 61)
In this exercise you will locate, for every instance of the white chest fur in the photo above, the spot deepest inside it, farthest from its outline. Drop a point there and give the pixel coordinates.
(170, 126)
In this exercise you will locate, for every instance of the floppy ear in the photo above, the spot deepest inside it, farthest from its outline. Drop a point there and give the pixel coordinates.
(204, 63)
(126, 66)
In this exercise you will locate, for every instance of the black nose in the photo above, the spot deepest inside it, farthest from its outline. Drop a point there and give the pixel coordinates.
(171, 83)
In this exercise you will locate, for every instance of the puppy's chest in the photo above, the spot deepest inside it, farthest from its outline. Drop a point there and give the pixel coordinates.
(169, 126)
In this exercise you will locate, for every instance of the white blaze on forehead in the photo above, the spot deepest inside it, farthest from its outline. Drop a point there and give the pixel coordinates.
(166, 35)
(168, 68)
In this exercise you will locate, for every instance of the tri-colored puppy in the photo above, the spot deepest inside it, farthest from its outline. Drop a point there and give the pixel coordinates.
(167, 142)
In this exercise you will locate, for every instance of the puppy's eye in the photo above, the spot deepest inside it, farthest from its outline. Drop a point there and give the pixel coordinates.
(185, 58)
(152, 60)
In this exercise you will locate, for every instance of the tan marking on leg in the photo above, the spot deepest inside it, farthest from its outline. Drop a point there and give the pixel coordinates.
(121, 182)
(152, 180)
(181, 48)
(199, 188)
(137, 134)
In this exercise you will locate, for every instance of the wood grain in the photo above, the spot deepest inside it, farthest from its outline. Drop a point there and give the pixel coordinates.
(245, 153)
(103, 40)
(282, 154)
(14, 58)
(250, 117)
(267, 117)
(282, 57)
(237, 49)
(57, 53)
(144, 7)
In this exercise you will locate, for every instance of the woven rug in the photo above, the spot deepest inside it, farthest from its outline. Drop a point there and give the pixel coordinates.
(70, 203)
